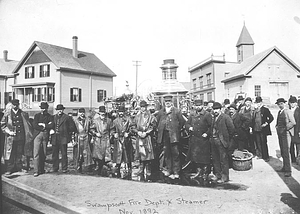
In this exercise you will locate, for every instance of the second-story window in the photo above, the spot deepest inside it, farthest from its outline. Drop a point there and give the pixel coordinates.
(201, 82)
(194, 84)
(45, 71)
(257, 90)
(29, 72)
(208, 77)
(75, 94)
(101, 95)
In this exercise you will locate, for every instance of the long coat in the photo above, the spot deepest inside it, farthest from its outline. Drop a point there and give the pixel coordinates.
(266, 117)
(123, 149)
(144, 148)
(225, 127)
(6, 126)
(175, 121)
(83, 139)
(66, 127)
(101, 145)
(199, 147)
(296, 138)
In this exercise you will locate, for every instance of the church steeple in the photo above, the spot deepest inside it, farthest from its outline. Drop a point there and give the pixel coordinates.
(245, 45)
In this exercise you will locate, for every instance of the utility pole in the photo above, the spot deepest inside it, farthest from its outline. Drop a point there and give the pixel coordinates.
(136, 75)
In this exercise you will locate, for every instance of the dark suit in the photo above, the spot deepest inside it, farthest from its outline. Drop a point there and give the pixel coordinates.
(296, 138)
(261, 116)
(222, 132)
(241, 124)
(63, 126)
(41, 137)
(169, 126)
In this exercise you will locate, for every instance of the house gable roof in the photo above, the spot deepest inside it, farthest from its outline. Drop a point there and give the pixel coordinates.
(250, 63)
(245, 38)
(64, 60)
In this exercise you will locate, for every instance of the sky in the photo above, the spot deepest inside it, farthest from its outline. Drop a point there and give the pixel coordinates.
(120, 32)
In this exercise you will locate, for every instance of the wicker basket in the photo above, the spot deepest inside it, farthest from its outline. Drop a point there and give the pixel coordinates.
(242, 164)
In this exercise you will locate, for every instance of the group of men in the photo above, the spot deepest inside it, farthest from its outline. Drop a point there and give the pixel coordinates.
(215, 131)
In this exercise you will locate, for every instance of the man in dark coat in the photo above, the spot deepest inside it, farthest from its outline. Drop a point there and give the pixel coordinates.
(295, 156)
(285, 130)
(199, 125)
(18, 133)
(222, 132)
(63, 127)
(170, 122)
(42, 123)
(261, 121)
(241, 124)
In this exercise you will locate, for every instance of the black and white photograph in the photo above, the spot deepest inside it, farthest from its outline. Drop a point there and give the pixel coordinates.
(150, 107)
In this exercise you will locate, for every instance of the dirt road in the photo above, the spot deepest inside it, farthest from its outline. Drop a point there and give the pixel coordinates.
(259, 190)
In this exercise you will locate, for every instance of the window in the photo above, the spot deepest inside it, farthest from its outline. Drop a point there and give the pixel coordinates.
(29, 72)
(75, 94)
(257, 90)
(209, 96)
(201, 82)
(43, 94)
(101, 95)
(164, 75)
(208, 77)
(202, 97)
(45, 71)
(194, 84)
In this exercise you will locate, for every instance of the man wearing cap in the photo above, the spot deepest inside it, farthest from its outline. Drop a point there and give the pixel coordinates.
(18, 132)
(296, 138)
(248, 111)
(63, 128)
(144, 125)
(285, 130)
(199, 125)
(101, 131)
(42, 123)
(123, 149)
(222, 133)
(82, 139)
(170, 122)
(241, 124)
(261, 121)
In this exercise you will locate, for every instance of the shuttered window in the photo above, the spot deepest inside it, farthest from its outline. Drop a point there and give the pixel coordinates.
(101, 95)
(75, 94)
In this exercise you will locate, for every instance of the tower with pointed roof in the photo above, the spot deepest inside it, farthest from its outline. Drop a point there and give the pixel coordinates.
(245, 45)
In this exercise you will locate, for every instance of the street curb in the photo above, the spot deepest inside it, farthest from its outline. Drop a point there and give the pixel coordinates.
(37, 199)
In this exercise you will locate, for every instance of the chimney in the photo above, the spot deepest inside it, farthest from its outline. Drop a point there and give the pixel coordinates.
(5, 52)
(75, 47)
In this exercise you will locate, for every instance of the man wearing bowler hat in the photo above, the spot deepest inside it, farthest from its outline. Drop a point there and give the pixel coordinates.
(222, 133)
(101, 130)
(296, 138)
(123, 148)
(199, 125)
(262, 118)
(170, 122)
(18, 133)
(63, 127)
(285, 130)
(42, 124)
(82, 139)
